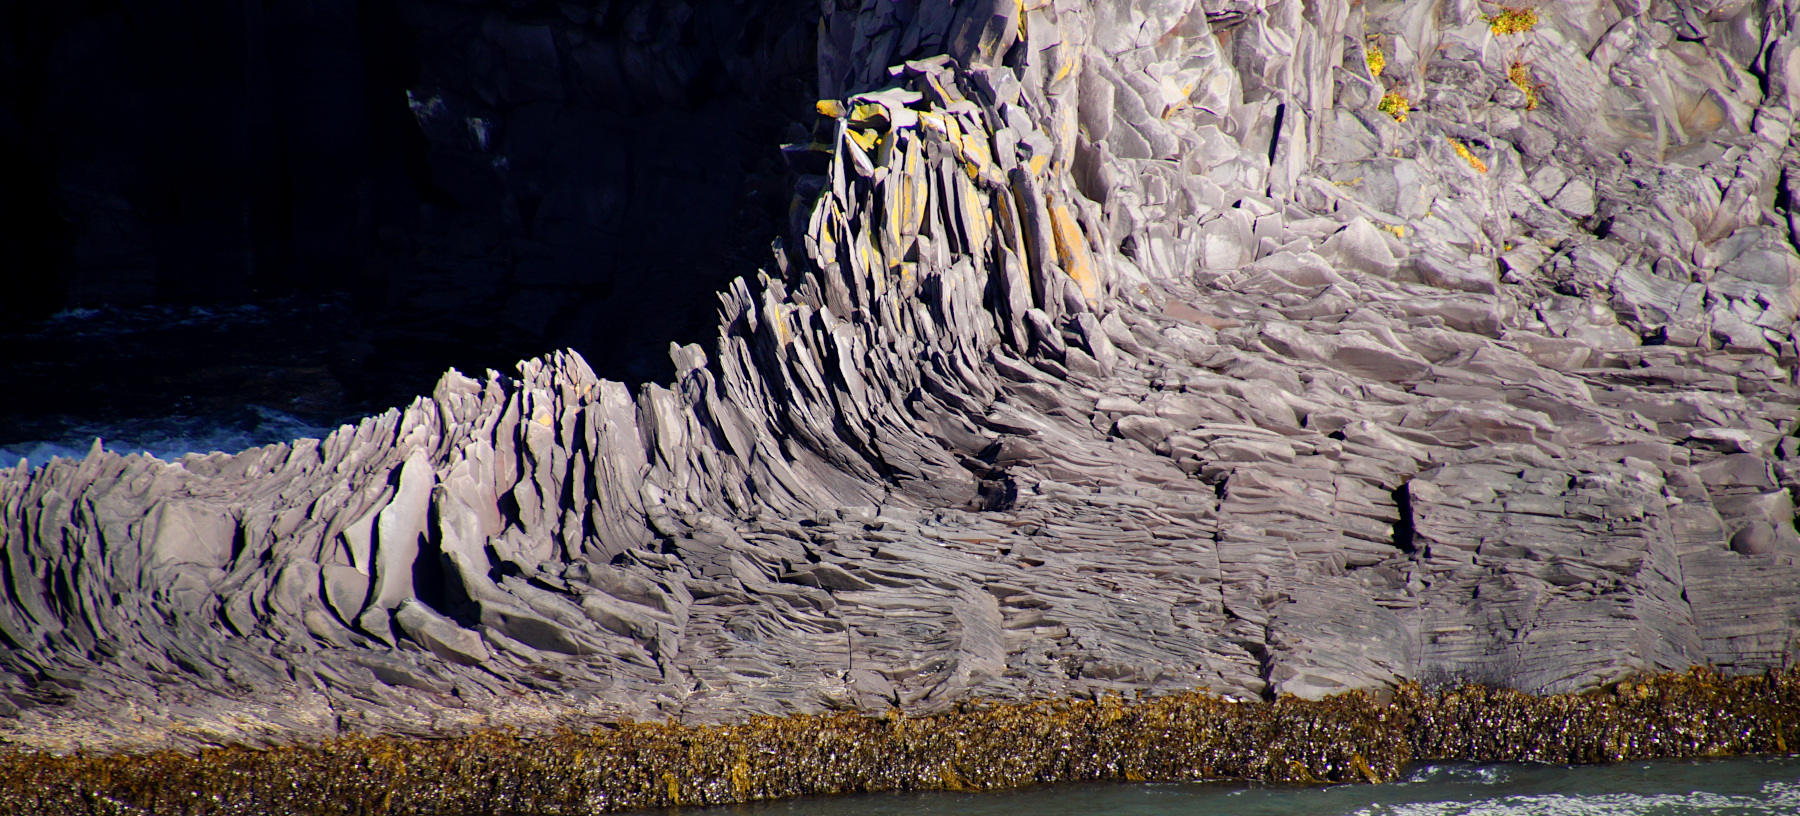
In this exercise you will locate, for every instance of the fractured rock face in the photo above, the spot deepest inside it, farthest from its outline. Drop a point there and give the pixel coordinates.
(1120, 347)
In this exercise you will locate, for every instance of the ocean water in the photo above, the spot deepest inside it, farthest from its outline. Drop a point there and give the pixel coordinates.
(1737, 787)
(168, 380)
(169, 437)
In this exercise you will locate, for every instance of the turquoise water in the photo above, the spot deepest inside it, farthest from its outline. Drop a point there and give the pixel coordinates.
(1739, 787)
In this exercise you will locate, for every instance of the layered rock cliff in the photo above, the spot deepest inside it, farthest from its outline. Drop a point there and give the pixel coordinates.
(1254, 347)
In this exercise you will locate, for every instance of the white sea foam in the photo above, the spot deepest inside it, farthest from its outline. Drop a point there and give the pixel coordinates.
(115, 320)
(1478, 774)
(1776, 799)
(75, 314)
(170, 438)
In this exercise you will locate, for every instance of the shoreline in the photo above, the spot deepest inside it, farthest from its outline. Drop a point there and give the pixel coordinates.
(1350, 738)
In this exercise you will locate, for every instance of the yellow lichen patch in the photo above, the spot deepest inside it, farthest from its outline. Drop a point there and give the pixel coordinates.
(784, 333)
(906, 276)
(1177, 91)
(825, 228)
(863, 254)
(830, 107)
(906, 190)
(934, 121)
(1072, 248)
(865, 139)
(972, 214)
(1468, 156)
(1064, 131)
(1512, 21)
(1007, 222)
(1068, 59)
(1376, 59)
(1521, 76)
(869, 114)
(1396, 229)
(1395, 105)
(971, 143)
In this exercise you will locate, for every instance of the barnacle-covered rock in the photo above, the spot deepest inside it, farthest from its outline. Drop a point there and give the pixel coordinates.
(1351, 738)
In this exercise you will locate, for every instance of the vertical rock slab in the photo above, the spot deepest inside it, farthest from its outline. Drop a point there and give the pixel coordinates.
(400, 528)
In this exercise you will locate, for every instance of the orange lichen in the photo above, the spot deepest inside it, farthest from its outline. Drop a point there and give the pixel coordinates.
(1469, 156)
(1521, 76)
(1072, 249)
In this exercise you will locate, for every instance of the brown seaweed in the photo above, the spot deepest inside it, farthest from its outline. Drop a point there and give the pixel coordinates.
(1355, 737)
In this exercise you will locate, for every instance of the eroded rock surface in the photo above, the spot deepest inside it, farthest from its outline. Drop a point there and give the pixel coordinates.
(1115, 347)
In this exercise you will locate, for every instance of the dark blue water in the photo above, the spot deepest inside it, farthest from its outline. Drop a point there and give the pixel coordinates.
(168, 381)
(1740, 787)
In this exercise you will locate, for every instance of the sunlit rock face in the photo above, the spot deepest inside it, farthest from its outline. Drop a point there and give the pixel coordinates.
(1256, 347)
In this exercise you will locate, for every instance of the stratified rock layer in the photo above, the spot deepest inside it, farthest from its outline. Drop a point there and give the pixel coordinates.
(1117, 347)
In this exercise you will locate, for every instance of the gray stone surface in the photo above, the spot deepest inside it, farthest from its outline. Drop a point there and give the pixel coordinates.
(1142, 354)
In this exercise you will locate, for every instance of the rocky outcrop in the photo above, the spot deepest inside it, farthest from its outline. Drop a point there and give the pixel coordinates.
(1125, 347)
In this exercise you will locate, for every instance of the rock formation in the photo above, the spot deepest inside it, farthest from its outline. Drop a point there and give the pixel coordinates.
(1254, 346)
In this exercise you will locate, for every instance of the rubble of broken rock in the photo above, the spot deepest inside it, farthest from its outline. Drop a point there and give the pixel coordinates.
(1117, 348)
(1350, 738)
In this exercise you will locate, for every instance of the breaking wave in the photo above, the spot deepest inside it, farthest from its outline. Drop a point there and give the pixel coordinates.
(168, 438)
(1767, 786)
(1775, 799)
